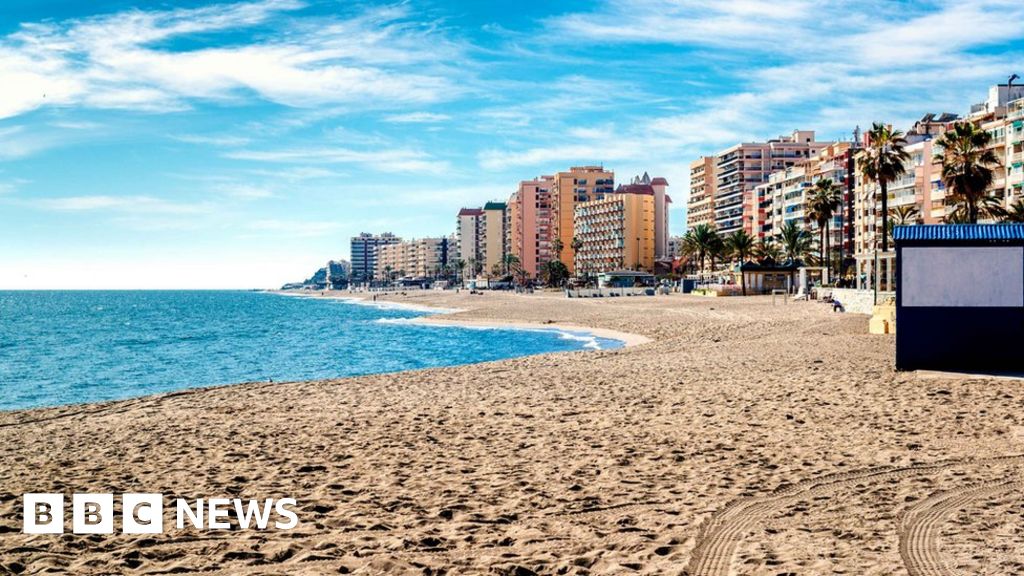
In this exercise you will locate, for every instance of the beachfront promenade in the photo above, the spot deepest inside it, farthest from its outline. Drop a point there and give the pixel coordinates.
(743, 438)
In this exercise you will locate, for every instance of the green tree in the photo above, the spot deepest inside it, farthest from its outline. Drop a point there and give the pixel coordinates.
(576, 244)
(796, 241)
(821, 206)
(512, 263)
(554, 273)
(557, 247)
(740, 245)
(1016, 212)
(767, 248)
(700, 241)
(967, 168)
(882, 161)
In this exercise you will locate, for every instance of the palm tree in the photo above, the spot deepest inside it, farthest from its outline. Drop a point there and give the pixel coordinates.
(967, 166)
(511, 262)
(905, 215)
(1016, 212)
(557, 247)
(461, 265)
(716, 248)
(796, 241)
(699, 240)
(882, 161)
(821, 206)
(740, 245)
(767, 248)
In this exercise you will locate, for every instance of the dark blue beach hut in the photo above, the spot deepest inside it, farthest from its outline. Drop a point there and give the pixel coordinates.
(960, 297)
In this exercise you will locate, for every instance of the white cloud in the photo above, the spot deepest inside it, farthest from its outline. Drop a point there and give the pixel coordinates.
(417, 118)
(12, 185)
(115, 61)
(225, 140)
(130, 204)
(385, 160)
(247, 191)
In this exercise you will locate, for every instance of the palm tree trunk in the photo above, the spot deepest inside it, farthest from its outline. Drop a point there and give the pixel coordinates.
(885, 215)
(828, 253)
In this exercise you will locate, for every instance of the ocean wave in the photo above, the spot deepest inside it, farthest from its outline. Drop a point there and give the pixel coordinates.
(388, 305)
(590, 341)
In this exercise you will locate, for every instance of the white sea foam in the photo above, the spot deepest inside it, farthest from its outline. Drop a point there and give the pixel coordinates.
(388, 305)
(590, 341)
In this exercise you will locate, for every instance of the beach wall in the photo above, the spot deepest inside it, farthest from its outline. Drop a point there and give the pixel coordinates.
(859, 301)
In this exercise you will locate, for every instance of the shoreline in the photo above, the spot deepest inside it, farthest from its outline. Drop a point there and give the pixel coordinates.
(436, 317)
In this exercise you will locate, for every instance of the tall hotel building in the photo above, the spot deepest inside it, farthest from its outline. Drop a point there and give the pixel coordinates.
(568, 189)
(482, 236)
(617, 231)
(363, 250)
(701, 204)
(469, 233)
(741, 168)
(529, 214)
(494, 235)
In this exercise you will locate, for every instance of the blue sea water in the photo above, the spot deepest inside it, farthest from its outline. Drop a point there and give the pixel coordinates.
(72, 347)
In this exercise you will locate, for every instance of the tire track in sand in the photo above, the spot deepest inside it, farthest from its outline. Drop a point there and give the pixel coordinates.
(920, 526)
(720, 534)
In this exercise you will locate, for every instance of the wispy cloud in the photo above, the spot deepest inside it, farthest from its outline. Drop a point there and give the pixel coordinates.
(417, 118)
(224, 140)
(376, 59)
(132, 204)
(387, 160)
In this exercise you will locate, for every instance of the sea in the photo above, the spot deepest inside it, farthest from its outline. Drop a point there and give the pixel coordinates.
(69, 347)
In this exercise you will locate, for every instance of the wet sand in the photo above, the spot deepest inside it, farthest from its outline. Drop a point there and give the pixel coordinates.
(735, 437)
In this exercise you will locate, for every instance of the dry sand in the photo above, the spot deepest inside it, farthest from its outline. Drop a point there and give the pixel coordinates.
(743, 438)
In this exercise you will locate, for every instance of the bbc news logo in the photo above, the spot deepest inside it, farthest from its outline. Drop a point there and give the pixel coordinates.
(144, 513)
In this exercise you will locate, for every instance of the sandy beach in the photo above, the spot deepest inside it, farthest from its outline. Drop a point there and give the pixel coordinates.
(731, 437)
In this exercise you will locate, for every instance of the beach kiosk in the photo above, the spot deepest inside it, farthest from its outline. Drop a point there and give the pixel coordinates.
(960, 297)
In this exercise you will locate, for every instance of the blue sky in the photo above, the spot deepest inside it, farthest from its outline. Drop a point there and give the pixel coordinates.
(199, 144)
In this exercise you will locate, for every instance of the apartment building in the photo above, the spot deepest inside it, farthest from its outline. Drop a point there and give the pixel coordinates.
(363, 252)
(413, 259)
(530, 213)
(1002, 116)
(568, 189)
(617, 232)
(784, 197)
(1015, 151)
(494, 246)
(469, 234)
(701, 204)
(656, 187)
(741, 168)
